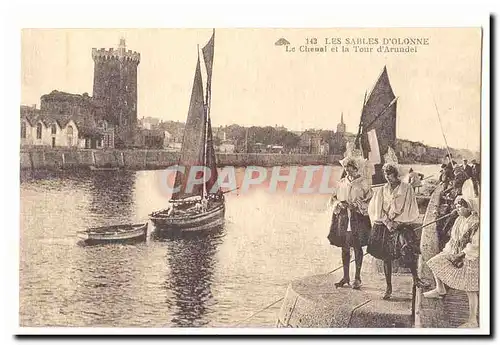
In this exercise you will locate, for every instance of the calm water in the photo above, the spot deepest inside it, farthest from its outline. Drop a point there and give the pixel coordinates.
(267, 241)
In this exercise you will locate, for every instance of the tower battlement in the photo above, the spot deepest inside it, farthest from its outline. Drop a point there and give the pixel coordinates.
(119, 54)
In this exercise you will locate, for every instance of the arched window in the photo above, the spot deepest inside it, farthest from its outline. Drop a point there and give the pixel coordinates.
(39, 131)
(54, 129)
(69, 133)
(23, 130)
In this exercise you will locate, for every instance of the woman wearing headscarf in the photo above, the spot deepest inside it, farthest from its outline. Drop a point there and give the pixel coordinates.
(458, 263)
(350, 224)
(393, 209)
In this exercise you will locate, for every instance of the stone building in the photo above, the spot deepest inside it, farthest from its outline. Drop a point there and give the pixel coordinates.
(148, 138)
(108, 119)
(115, 88)
(148, 123)
(58, 130)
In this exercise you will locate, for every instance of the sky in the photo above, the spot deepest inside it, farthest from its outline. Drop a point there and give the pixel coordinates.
(258, 83)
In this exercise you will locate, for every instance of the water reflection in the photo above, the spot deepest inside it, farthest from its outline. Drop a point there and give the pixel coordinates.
(107, 290)
(112, 196)
(192, 263)
(269, 239)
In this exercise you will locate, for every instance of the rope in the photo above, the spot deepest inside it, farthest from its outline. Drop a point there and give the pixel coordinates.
(257, 312)
(355, 308)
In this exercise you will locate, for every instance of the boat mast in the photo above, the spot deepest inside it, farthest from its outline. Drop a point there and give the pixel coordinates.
(208, 100)
(208, 54)
(357, 144)
(205, 148)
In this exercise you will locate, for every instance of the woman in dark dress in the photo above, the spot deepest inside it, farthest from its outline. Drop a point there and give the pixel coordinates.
(392, 209)
(350, 225)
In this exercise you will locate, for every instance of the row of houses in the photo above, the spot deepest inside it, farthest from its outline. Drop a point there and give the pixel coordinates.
(73, 121)
(62, 130)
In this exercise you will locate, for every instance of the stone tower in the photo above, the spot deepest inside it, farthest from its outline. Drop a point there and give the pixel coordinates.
(115, 87)
(341, 125)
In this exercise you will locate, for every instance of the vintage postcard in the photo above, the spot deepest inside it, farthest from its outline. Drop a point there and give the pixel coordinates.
(264, 178)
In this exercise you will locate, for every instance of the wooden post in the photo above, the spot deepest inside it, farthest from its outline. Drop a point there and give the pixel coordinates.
(93, 158)
(63, 160)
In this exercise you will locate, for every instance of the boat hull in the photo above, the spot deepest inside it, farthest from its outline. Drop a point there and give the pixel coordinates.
(209, 220)
(134, 235)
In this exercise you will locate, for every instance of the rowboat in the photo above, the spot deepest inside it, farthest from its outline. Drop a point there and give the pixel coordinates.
(114, 234)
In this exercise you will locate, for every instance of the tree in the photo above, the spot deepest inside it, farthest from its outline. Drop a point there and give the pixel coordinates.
(290, 140)
(217, 141)
(235, 132)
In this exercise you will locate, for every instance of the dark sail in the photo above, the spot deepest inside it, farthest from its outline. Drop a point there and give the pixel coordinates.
(192, 152)
(211, 160)
(379, 118)
(208, 56)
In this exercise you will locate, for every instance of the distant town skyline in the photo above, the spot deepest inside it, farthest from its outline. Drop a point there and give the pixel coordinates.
(258, 83)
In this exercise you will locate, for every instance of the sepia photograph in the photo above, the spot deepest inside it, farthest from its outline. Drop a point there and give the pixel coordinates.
(253, 178)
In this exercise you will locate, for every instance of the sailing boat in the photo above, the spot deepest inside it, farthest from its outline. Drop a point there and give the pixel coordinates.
(377, 128)
(199, 206)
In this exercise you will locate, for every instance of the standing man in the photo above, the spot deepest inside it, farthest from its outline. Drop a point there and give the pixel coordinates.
(443, 177)
(450, 166)
(467, 168)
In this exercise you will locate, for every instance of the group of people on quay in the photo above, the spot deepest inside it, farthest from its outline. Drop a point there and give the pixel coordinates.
(384, 219)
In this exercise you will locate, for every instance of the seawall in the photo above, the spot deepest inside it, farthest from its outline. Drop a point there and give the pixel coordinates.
(57, 159)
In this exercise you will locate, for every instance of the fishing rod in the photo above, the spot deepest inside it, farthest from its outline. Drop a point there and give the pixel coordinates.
(444, 137)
